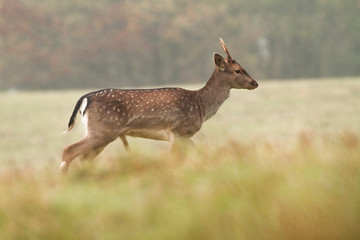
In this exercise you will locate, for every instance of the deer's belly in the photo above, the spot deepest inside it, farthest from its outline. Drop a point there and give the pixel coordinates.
(156, 134)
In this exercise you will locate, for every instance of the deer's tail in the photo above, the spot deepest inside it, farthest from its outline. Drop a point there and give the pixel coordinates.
(81, 105)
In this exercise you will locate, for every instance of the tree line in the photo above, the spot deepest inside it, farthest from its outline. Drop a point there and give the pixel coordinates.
(48, 44)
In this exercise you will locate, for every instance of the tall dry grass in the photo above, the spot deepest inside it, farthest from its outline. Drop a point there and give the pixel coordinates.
(281, 162)
(233, 191)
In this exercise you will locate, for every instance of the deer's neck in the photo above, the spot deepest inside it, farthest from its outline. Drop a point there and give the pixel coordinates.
(213, 94)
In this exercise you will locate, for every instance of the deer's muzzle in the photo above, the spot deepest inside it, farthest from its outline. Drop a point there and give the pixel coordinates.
(254, 84)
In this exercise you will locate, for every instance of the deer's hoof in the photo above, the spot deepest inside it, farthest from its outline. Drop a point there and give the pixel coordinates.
(63, 167)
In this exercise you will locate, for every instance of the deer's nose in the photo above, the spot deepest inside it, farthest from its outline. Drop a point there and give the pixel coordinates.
(254, 83)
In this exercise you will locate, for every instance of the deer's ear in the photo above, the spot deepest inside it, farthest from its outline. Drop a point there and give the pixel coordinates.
(219, 61)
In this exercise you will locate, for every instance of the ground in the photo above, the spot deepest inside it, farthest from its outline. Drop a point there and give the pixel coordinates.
(279, 162)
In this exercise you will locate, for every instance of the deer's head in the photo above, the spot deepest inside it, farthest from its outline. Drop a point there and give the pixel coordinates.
(232, 72)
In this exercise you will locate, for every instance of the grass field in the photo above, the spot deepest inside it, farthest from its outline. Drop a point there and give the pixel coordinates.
(279, 162)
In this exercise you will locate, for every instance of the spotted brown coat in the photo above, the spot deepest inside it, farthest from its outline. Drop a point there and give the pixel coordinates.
(167, 114)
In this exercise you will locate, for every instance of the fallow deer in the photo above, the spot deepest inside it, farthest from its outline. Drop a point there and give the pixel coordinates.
(167, 114)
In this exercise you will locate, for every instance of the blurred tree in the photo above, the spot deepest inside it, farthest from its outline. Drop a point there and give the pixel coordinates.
(31, 53)
(112, 43)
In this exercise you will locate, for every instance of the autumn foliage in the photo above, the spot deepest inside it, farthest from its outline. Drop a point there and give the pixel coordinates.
(91, 44)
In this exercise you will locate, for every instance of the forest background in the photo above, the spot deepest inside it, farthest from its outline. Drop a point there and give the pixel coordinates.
(95, 44)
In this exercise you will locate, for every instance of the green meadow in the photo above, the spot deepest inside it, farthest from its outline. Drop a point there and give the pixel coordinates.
(279, 162)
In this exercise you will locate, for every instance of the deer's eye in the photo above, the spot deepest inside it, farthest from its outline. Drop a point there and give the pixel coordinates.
(237, 71)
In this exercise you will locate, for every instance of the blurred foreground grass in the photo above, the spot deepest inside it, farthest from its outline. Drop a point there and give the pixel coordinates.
(280, 162)
(234, 191)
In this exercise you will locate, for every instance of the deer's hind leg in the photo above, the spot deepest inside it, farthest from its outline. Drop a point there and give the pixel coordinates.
(91, 155)
(87, 147)
(125, 142)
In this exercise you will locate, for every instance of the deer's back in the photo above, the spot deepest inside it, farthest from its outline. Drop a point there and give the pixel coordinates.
(175, 109)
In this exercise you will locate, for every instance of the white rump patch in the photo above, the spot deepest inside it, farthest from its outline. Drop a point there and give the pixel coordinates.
(83, 106)
(84, 121)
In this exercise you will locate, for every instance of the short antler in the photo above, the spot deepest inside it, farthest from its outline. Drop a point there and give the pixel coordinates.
(225, 50)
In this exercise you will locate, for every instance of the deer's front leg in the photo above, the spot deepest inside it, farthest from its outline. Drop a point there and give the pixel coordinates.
(180, 144)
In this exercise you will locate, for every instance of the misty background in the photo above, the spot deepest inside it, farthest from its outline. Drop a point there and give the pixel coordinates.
(52, 44)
